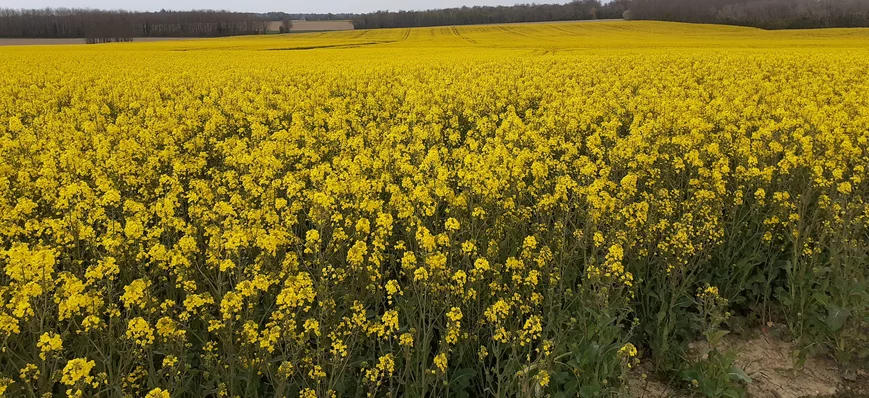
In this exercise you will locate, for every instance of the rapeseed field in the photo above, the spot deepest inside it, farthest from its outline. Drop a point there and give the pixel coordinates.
(505, 210)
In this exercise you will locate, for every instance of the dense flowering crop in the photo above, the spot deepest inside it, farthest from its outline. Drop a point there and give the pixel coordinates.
(493, 210)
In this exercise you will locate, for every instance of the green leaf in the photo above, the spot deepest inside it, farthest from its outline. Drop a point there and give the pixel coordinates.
(731, 393)
(738, 374)
(589, 391)
(461, 379)
(690, 374)
(716, 336)
(820, 297)
(562, 377)
(836, 317)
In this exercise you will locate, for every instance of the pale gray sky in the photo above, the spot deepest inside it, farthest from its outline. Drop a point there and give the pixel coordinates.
(290, 6)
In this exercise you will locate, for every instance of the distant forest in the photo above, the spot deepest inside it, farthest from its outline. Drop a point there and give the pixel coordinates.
(767, 14)
(101, 26)
(575, 10)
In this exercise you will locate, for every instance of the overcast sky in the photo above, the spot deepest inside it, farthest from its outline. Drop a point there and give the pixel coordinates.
(290, 6)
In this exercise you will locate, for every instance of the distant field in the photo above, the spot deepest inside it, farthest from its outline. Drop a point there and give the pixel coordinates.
(560, 36)
(527, 210)
(312, 26)
(275, 26)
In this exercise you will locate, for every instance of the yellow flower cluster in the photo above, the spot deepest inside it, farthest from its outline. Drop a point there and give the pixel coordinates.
(48, 342)
(386, 207)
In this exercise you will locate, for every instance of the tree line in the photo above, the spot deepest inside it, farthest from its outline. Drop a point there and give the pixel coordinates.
(103, 26)
(575, 10)
(284, 16)
(767, 14)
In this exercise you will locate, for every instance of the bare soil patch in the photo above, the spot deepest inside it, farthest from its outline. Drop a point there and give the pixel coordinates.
(769, 361)
(643, 384)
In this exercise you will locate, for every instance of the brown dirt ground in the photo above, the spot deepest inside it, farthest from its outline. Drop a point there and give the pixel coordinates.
(768, 360)
(770, 364)
(648, 386)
